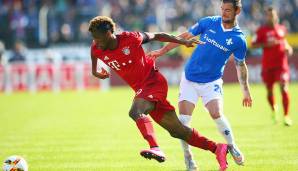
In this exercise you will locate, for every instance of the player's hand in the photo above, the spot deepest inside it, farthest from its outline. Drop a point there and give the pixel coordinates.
(247, 100)
(193, 42)
(289, 51)
(105, 74)
(155, 54)
(102, 74)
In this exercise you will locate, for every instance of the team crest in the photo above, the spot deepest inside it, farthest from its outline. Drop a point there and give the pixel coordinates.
(229, 41)
(126, 51)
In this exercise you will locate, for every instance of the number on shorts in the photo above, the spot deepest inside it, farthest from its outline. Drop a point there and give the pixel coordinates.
(217, 88)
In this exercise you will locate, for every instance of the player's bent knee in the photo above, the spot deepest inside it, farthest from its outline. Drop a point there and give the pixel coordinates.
(134, 115)
(215, 115)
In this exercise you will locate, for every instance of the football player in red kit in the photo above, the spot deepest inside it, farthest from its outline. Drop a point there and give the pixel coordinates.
(124, 54)
(271, 38)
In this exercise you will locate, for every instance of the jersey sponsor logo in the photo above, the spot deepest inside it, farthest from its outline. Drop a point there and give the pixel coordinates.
(229, 41)
(115, 65)
(214, 43)
(126, 50)
(106, 58)
(271, 38)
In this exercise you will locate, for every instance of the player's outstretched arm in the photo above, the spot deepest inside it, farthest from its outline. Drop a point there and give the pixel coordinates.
(288, 47)
(242, 74)
(185, 38)
(102, 74)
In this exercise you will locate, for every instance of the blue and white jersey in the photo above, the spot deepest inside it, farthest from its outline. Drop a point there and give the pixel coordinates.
(208, 61)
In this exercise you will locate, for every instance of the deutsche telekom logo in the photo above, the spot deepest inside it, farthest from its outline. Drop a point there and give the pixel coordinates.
(114, 64)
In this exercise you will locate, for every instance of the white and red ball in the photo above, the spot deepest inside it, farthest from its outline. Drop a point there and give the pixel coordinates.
(15, 163)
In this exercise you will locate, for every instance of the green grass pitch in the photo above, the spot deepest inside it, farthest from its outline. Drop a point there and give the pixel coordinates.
(91, 130)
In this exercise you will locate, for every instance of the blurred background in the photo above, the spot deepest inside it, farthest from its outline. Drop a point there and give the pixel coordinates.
(45, 43)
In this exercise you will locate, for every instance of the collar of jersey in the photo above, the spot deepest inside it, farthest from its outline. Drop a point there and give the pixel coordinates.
(231, 29)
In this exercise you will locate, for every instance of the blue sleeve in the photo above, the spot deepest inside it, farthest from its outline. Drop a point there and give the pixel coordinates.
(200, 26)
(240, 52)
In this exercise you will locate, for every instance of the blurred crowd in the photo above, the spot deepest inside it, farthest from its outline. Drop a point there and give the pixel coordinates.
(43, 23)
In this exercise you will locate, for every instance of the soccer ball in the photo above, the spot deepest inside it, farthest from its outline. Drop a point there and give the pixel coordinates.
(15, 163)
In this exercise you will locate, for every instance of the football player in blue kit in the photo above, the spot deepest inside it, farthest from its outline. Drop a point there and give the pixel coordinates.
(203, 72)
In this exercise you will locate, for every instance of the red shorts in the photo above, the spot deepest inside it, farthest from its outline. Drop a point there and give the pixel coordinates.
(271, 76)
(155, 89)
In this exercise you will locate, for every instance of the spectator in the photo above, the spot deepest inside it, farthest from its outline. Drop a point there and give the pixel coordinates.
(65, 19)
(18, 53)
(2, 57)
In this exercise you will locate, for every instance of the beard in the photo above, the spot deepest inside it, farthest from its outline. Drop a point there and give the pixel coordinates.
(228, 21)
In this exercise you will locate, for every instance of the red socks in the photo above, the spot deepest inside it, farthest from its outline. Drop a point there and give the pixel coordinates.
(145, 126)
(285, 102)
(200, 141)
(271, 101)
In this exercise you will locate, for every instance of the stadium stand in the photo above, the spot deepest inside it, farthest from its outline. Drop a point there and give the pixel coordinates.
(57, 31)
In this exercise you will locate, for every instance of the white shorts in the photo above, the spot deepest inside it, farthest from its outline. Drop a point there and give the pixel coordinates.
(191, 91)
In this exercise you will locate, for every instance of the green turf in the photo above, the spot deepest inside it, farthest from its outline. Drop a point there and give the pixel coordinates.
(92, 131)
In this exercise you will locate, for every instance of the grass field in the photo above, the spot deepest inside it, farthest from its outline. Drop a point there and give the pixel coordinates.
(91, 130)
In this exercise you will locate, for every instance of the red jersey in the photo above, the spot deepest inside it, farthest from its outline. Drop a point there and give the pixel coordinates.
(128, 60)
(275, 56)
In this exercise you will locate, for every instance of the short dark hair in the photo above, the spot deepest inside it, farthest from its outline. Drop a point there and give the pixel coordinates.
(101, 24)
(270, 8)
(236, 3)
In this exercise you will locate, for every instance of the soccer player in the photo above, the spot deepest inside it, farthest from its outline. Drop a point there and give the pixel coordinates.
(124, 54)
(271, 38)
(204, 70)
